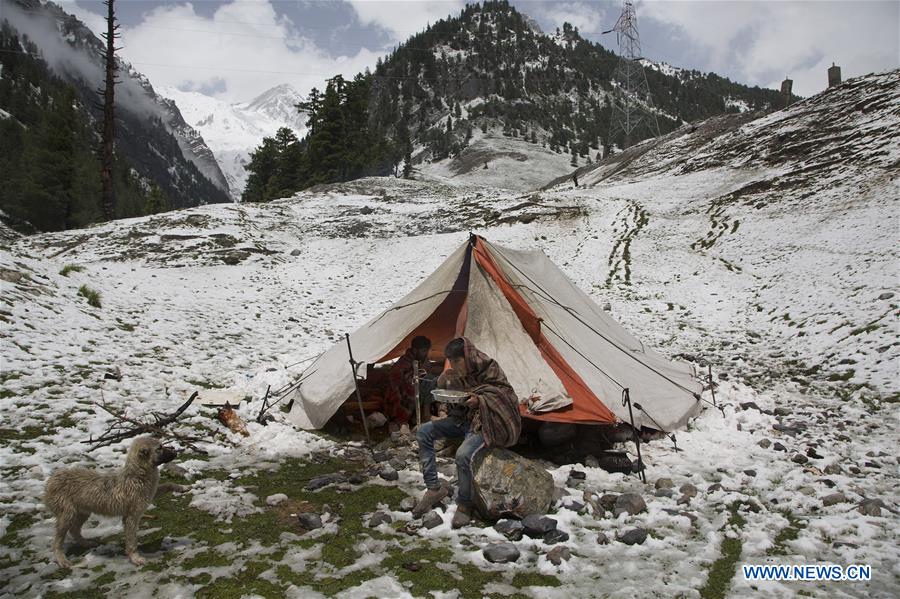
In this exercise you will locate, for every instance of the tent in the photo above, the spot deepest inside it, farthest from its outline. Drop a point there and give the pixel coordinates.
(552, 341)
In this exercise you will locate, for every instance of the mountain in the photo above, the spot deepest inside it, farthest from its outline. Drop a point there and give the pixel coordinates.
(233, 131)
(45, 44)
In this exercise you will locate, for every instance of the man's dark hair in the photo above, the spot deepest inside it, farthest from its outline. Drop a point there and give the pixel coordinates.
(421, 342)
(455, 349)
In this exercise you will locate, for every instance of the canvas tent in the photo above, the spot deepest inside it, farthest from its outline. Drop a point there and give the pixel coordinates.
(552, 341)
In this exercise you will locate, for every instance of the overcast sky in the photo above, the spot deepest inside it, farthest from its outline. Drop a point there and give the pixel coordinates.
(236, 49)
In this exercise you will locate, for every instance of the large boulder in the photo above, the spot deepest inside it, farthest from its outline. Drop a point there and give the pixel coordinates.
(508, 485)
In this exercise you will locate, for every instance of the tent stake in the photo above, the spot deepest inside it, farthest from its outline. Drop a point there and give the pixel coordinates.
(353, 365)
(626, 400)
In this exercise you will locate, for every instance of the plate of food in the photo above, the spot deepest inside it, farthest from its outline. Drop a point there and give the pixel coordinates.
(449, 396)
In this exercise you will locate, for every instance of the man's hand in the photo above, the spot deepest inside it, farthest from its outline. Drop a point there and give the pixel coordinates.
(472, 402)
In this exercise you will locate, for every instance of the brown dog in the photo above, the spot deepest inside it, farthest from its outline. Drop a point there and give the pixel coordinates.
(73, 494)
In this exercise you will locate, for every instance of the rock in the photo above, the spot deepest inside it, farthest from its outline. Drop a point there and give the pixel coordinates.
(296, 252)
(559, 553)
(839, 544)
(886, 295)
(764, 443)
(615, 461)
(750, 405)
(811, 453)
(591, 462)
(310, 521)
(556, 536)
(536, 526)
(750, 472)
(827, 482)
(407, 504)
(376, 420)
(357, 478)
(664, 493)
(779, 447)
(325, 480)
(573, 505)
(834, 499)
(577, 475)
(381, 456)
(684, 500)
(501, 553)
(511, 529)
(432, 519)
(635, 536)
(608, 501)
(807, 490)
(664, 483)
(397, 464)
(782, 411)
(366, 210)
(602, 539)
(573, 482)
(630, 503)
(507, 484)
(689, 515)
(799, 458)
(379, 518)
(870, 507)
(715, 487)
(833, 468)
(688, 489)
(786, 429)
(276, 498)
(388, 473)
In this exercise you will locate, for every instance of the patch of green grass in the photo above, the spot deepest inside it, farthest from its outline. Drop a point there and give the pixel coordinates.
(723, 569)
(844, 376)
(201, 384)
(786, 534)
(205, 559)
(92, 296)
(246, 581)
(25, 433)
(70, 268)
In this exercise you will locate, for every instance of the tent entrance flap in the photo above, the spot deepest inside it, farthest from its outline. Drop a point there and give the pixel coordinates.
(586, 406)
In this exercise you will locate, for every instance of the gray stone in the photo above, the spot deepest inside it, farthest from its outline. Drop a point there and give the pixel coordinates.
(684, 500)
(511, 529)
(573, 505)
(608, 501)
(507, 484)
(834, 499)
(296, 252)
(764, 443)
(310, 521)
(689, 515)
(379, 518)
(811, 453)
(357, 478)
(325, 480)
(389, 473)
(635, 536)
(779, 447)
(782, 411)
(535, 525)
(556, 536)
(799, 458)
(431, 520)
(501, 553)
(750, 405)
(602, 539)
(559, 553)
(715, 487)
(750, 472)
(397, 464)
(833, 468)
(407, 504)
(630, 503)
(381, 456)
(886, 295)
(870, 507)
(664, 483)
(688, 489)
(664, 493)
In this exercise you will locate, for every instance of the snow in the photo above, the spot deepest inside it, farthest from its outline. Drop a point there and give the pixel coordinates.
(233, 131)
(213, 296)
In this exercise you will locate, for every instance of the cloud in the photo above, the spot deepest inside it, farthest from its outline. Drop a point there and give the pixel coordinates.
(762, 42)
(403, 18)
(244, 48)
(587, 17)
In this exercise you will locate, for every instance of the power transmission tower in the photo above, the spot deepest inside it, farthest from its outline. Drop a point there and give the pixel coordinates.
(632, 106)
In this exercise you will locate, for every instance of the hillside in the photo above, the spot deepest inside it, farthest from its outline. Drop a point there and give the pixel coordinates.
(233, 131)
(765, 248)
(49, 54)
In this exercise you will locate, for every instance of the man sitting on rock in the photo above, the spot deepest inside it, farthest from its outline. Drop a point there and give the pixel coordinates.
(489, 418)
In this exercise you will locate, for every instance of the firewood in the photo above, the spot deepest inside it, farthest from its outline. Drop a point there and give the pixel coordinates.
(230, 418)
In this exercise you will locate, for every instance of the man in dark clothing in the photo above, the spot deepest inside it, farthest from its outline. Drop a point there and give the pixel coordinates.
(400, 400)
(491, 420)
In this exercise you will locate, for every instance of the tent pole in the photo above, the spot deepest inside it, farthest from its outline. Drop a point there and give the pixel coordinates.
(626, 400)
(353, 365)
(712, 388)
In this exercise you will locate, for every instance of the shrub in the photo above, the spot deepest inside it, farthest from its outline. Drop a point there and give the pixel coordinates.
(92, 296)
(70, 268)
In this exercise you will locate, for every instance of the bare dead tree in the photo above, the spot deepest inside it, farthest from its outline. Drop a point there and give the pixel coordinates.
(125, 427)
(109, 118)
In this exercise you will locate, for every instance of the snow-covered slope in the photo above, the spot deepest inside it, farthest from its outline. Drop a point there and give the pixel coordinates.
(233, 131)
(783, 305)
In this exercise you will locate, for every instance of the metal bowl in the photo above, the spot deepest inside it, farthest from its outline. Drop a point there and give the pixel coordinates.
(449, 396)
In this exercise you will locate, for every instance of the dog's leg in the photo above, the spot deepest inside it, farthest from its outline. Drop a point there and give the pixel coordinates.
(170, 488)
(75, 530)
(63, 523)
(130, 522)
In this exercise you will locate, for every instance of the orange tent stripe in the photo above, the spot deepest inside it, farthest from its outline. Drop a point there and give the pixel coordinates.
(586, 406)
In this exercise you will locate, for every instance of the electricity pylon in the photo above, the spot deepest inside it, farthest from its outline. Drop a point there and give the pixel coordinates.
(632, 106)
